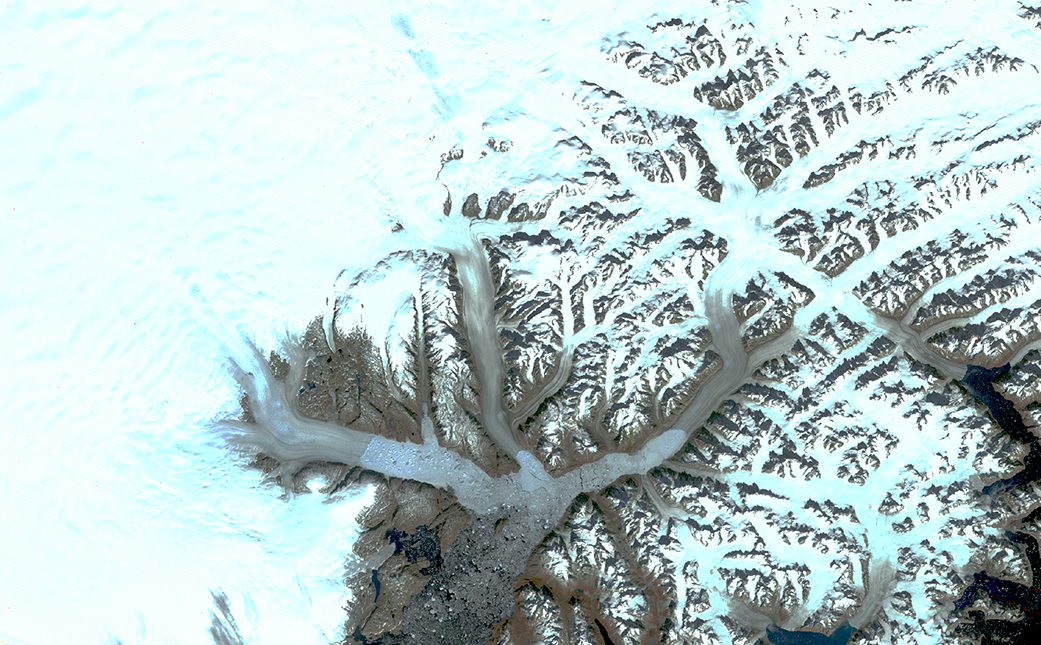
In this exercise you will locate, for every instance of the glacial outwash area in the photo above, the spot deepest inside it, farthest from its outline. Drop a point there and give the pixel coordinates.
(721, 325)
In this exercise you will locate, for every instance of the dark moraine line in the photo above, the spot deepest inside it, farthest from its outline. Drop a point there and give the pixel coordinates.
(223, 629)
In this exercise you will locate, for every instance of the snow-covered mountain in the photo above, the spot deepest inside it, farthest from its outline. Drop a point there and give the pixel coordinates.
(700, 376)
(635, 323)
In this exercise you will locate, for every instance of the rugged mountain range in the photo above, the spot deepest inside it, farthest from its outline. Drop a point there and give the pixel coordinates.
(709, 388)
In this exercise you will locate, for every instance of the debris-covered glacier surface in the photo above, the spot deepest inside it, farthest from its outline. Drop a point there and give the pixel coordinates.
(675, 322)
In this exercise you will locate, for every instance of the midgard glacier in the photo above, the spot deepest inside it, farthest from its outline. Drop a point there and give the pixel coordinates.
(706, 368)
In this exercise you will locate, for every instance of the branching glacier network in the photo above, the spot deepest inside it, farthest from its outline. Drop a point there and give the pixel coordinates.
(710, 378)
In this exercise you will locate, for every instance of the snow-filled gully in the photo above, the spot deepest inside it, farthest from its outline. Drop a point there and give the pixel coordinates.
(532, 500)
(282, 432)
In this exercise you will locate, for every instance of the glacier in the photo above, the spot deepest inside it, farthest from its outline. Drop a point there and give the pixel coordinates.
(733, 267)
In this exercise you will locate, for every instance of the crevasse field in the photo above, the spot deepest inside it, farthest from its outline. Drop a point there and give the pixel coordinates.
(177, 180)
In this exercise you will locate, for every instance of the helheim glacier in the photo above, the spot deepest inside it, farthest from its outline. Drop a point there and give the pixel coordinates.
(693, 373)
